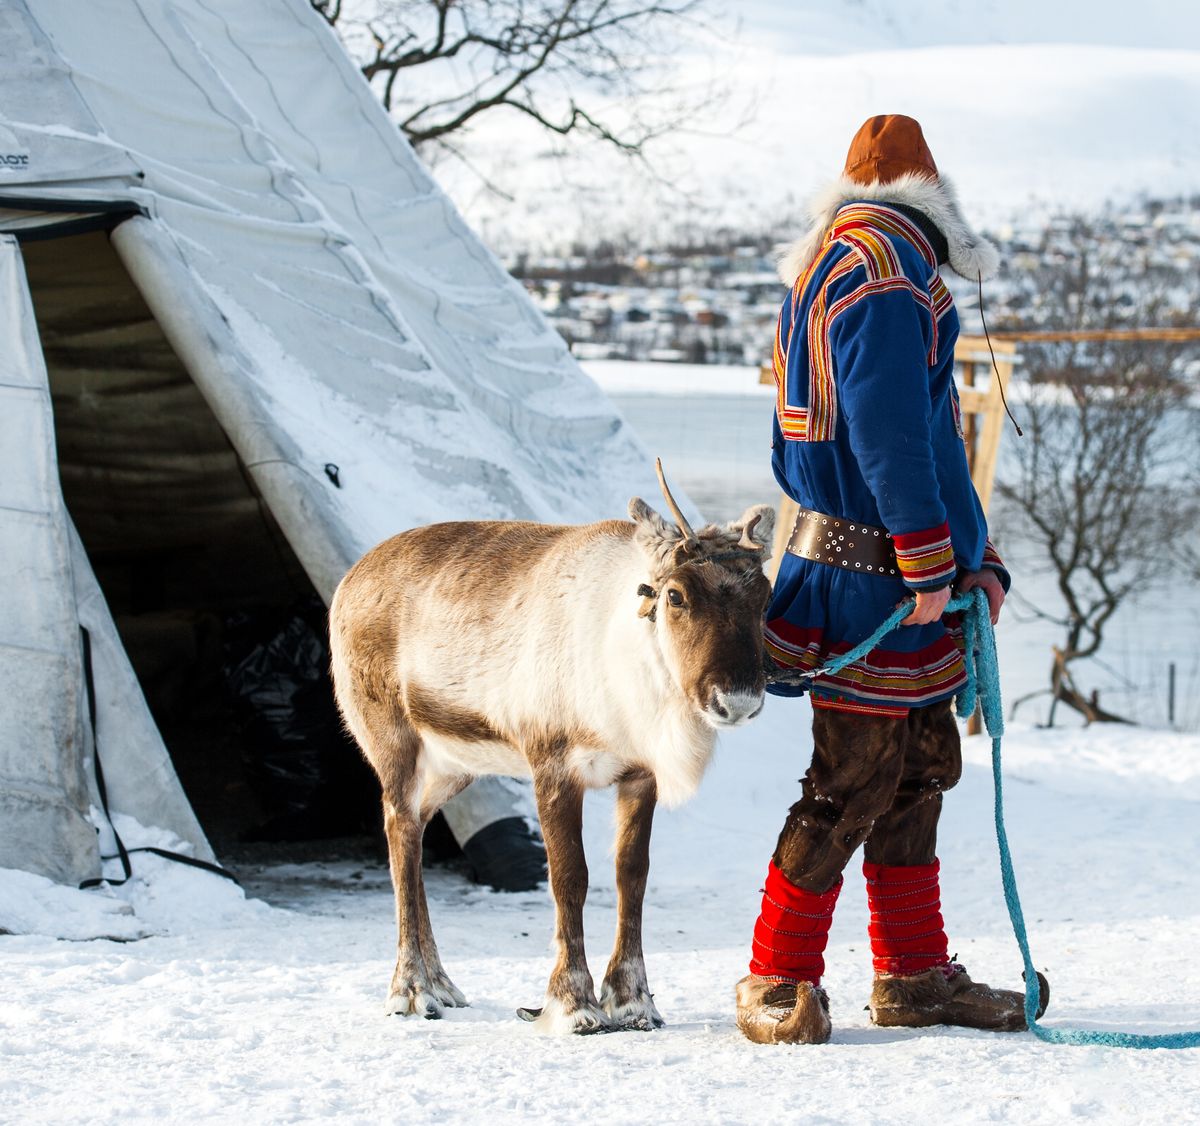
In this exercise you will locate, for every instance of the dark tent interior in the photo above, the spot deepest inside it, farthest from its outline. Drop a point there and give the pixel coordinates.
(222, 626)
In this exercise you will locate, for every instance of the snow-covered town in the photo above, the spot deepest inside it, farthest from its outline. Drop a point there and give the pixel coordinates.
(607, 560)
(718, 303)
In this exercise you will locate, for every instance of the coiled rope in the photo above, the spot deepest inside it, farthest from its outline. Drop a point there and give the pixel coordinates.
(983, 687)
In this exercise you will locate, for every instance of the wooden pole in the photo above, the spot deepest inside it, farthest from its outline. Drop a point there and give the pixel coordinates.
(785, 515)
(785, 518)
(1171, 694)
(1045, 336)
(983, 407)
(983, 422)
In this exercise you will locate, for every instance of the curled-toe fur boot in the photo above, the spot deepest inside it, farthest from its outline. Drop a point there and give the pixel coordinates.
(780, 1012)
(947, 995)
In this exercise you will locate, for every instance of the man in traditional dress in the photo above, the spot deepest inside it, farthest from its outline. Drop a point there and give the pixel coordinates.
(868, 441)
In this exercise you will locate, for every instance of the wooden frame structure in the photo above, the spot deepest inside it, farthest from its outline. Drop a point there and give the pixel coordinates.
(982, 402)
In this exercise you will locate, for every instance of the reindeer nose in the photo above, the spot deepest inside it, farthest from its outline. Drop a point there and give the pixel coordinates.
(730, 709)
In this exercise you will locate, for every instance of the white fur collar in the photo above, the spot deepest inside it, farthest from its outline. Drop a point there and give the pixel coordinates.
(970, 255)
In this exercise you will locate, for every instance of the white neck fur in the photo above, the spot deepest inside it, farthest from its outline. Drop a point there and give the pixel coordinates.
(971, 255)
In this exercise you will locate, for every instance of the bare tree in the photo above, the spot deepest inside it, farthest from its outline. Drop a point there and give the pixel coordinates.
(1109, 443)
(1185, 547)
(565, 64)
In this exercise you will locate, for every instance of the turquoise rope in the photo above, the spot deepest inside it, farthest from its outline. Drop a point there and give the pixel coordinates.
(983, 686)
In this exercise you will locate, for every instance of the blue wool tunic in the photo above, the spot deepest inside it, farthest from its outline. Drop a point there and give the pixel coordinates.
(868, 428)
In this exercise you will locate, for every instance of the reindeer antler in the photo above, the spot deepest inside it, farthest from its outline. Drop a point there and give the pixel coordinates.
(746, 543)
(680, 519)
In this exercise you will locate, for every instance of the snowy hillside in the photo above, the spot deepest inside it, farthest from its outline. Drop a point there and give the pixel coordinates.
(844, 26)
(271, 1015)
(1023, 104)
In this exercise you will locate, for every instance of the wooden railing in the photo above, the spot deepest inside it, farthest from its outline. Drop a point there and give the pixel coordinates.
(980, 394)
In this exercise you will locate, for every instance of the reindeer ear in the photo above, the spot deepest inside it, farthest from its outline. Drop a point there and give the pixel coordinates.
(650, 521)
(763, 530)
(658, 539)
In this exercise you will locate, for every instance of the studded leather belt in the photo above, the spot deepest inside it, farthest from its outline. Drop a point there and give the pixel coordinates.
(843, 544)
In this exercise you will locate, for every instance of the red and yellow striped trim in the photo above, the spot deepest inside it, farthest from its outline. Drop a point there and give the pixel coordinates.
(877, 253)
(817, 421)
(882, 678)
(926, 558)
(940, 303)
(822, 388)
(845, 704)
(862, 229)
(861, 225)
(876, 217)
(793, 421)
(940, 296)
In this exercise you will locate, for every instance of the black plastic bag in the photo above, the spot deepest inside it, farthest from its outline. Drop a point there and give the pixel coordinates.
(305, 769)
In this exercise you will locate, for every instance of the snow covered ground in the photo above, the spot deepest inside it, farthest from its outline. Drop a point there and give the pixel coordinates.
(275, 1013)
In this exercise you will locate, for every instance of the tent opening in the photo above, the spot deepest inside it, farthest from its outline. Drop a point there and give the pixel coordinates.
(212, 605)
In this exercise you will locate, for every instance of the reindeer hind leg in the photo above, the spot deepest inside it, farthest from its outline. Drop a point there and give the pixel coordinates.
(392, 745)
(435, 793)
(368, 698)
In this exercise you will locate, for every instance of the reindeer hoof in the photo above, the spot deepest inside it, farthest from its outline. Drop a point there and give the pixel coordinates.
(638, 1015)
(557, 1020)
(448, 994)
(637, 1022)
(414, 1001)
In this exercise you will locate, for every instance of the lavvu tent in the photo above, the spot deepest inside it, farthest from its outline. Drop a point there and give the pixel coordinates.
(246, 337)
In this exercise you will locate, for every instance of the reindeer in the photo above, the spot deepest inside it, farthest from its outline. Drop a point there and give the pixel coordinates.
(585, 656)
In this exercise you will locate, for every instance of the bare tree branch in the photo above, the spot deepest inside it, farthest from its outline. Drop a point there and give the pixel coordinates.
(1097, 476)
(329, 10)
(556, 62)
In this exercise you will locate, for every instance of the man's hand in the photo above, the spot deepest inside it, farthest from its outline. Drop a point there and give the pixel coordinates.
(931, 604)
(990, 584)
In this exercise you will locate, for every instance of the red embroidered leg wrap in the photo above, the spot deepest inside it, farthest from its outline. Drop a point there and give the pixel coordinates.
(907, 933)
(792, 930)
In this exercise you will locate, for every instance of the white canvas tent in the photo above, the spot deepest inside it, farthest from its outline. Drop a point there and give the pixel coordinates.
(261, 319)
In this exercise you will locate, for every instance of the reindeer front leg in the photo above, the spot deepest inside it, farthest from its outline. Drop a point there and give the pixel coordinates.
(626, 995)
(571, 1004)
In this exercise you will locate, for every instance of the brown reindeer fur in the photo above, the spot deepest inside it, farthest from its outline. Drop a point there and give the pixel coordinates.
(474, 648)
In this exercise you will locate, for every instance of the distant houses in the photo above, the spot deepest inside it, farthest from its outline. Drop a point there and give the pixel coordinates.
(672, 306)
(719, 303)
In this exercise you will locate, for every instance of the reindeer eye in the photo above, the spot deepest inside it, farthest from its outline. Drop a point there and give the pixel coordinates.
(674, 597)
